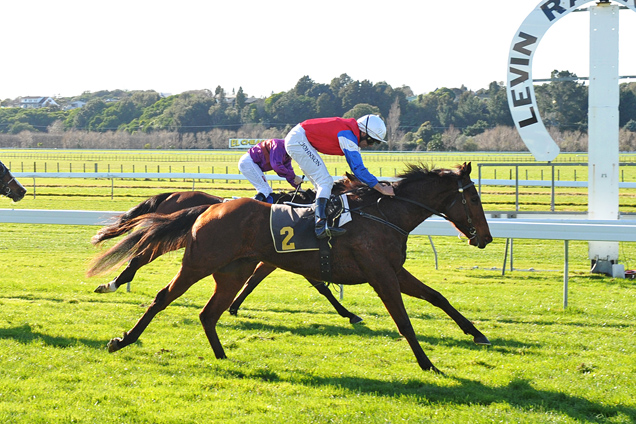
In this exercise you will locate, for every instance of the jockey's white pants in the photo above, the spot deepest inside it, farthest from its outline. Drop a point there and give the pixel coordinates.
(310, 162)
(254, 174)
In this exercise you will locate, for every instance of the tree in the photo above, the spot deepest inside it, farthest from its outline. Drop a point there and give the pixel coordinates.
(303, 86)
(360, 110)
(240, 99)
(392, 124)
(563, 102)
(627, 106)
(82, 118)
(497, 105)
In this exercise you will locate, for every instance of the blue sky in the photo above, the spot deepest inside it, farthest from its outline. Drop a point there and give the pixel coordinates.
(65, 47)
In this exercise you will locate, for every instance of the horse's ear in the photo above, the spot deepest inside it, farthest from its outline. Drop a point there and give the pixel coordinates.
(466, 168)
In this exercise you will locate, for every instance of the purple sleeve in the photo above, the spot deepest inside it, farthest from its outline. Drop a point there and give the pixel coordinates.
(281, 161)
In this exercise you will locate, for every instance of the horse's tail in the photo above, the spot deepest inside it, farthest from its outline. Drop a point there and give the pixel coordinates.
(120, 227)
(150, 233)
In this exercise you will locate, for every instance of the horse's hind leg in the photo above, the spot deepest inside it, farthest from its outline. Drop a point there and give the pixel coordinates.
(344, 312)
(126, 275)
(413, 287)
(229, 281)
(184, 279)
(262, 270)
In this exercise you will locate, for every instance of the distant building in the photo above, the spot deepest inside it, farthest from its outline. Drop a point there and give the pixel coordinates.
(36, 102)
(74, 105)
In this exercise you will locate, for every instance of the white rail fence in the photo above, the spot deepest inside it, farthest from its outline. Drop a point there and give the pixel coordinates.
(538, 229)
(508, 228)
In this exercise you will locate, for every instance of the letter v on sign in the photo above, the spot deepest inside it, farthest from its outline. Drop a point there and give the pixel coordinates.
(521, 97)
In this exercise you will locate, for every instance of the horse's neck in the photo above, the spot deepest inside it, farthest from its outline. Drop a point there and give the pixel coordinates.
(411, 214)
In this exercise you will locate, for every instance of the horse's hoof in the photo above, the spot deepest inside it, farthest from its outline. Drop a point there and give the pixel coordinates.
(113, 345)
(233, 311)
(355, 319)
(481, 340)
(435, 370)
(106, 288)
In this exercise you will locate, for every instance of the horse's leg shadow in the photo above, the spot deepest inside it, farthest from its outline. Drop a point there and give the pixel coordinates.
(411, 286)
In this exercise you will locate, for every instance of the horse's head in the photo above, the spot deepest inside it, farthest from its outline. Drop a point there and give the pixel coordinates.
(448, 193)
(464, 209)
(9, 186)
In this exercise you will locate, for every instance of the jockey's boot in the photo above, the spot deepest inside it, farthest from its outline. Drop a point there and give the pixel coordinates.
(322, 229)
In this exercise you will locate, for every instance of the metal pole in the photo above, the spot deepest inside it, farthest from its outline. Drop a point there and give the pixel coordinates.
(430, 239)
(503, 268)
(565, 275)
(516, 188)
(552, 201)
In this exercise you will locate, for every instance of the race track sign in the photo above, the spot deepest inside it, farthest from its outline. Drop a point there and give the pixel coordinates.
(244, 143)
(521, 96)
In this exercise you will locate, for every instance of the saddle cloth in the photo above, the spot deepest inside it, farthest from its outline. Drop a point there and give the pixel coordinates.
(293, 228)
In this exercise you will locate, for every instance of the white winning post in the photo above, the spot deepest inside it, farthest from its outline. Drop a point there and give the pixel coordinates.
(603, 175)
(603, 116)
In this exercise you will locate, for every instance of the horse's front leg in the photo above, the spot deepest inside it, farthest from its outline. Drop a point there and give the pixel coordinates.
(411, 286)
(388, 289)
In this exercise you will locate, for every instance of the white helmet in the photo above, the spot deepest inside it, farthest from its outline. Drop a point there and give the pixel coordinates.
(374, 126)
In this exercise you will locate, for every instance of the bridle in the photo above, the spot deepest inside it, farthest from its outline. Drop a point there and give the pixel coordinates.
(471, 233)
(5, 189)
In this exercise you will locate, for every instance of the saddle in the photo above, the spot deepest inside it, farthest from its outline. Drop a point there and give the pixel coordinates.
(292, 224)
(293, 229)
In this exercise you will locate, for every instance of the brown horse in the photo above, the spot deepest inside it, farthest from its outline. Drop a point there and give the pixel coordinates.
(227, 240)
(167, 203)
(9, 186)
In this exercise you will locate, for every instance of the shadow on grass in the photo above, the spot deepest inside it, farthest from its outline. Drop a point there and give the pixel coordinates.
(26, 334)
(361, 330)
(518, 393)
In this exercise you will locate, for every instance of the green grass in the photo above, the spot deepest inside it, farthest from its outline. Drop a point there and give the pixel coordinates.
(293, 359)
(118, 194)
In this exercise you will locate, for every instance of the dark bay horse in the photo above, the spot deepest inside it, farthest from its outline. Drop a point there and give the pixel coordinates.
(9, 186)
(167, 203)
(228, 240)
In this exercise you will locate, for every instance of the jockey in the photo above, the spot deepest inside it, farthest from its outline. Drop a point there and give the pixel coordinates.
(266, 156)
(334, 136)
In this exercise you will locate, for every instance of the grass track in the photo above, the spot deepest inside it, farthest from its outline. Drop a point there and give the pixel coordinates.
(292, 359)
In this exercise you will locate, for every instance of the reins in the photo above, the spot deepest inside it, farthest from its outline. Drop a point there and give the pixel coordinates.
(472, 231)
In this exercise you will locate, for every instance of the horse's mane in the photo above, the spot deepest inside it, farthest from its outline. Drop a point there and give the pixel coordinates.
(420, 171)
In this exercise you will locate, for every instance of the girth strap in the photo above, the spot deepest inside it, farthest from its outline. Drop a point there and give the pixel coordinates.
(325, 260)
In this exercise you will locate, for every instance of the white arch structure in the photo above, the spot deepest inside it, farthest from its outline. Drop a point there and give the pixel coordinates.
(603, 104)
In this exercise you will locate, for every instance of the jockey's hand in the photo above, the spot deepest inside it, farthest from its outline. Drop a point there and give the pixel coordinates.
(385, 189)
(298, 179)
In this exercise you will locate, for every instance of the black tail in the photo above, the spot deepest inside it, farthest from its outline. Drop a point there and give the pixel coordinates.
(154, 233)
(119, 227)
